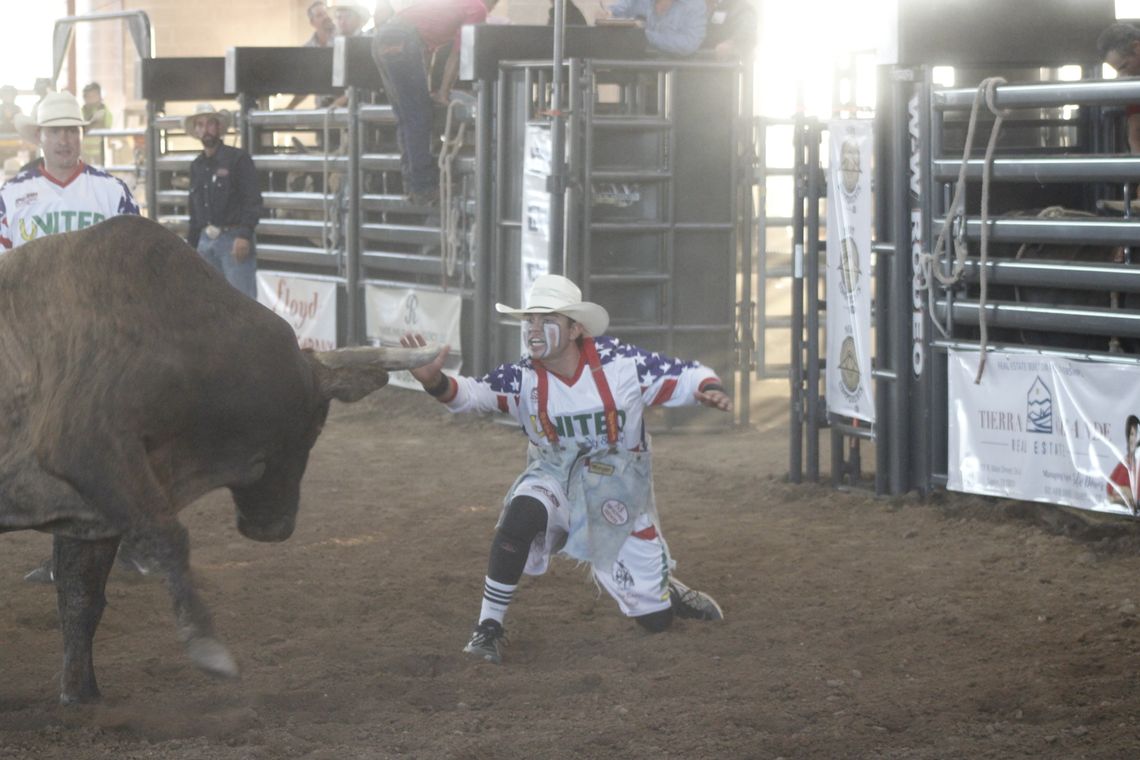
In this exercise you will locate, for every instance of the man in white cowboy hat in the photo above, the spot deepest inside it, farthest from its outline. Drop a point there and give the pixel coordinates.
(57, 192)
(225, 200)
(350, 17)
(587, 491)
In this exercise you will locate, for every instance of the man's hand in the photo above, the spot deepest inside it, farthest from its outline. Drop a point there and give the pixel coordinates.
(428, 374)
(241, 249)
(714, 399)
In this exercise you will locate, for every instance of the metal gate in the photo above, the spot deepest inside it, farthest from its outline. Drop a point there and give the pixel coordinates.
(1054, 148)
(657, 180)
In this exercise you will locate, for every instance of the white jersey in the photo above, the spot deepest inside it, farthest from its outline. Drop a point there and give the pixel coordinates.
(636, 379)
(34, 204)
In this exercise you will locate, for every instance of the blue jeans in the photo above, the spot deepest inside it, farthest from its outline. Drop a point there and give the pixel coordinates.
(399, 54)
(219, 252)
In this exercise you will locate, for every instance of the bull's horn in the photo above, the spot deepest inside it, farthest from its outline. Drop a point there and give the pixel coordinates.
(384, 357)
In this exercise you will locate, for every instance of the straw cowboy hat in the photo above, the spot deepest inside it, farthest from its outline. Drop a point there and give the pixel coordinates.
(225, 118)
(554, 294)
(57, 109)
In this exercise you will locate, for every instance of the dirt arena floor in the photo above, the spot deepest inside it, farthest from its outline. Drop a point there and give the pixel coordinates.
(856, 627)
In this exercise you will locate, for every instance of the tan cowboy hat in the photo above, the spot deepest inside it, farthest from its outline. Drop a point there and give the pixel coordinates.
(554, 294)
(225, 118)
(57, 109)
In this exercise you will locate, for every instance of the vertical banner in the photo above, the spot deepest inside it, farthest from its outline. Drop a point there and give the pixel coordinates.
(536, 205)
(306, 303)
(391, 312)
(848, 373)
(918, 289)
(1044, 428)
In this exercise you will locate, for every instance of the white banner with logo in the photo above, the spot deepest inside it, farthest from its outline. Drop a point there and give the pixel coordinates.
(535, 253)
(1044, 429)
(391, 312)
(306, 303)
(848, 367)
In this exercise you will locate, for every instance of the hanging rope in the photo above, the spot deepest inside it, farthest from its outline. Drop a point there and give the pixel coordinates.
(956, 215)
(450, 235)
(329, 225)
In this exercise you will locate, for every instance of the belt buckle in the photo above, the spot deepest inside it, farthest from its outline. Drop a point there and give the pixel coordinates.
(212, 231)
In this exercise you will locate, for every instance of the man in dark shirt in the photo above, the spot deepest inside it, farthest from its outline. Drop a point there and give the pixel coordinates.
(225, 201)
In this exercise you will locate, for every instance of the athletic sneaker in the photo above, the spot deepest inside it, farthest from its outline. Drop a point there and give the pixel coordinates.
(487, 641)
(693, 604)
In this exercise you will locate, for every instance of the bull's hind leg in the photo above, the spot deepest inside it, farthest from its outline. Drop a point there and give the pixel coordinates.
(168, 547)
(81, 570)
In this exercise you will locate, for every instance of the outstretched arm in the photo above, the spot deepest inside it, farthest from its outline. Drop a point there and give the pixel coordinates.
(430, 375)
(713, 396)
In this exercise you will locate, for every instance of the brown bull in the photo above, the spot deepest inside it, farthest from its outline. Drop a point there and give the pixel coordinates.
(133, 380)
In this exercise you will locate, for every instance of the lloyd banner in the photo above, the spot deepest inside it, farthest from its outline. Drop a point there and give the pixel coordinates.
(1044, 429)
(306, 303)
(848, 375)
(391, 312)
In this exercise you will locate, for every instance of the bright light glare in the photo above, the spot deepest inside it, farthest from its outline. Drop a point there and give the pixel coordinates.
(26, 55)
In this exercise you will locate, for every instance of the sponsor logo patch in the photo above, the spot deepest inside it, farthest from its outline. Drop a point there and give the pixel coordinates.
(623, 578)
(601, 468)
(615, 512)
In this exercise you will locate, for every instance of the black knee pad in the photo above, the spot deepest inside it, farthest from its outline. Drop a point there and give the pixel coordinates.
(524, 518)
(656, 622)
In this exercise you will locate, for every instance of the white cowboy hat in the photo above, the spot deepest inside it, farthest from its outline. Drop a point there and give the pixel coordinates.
(352, 5)
(225, 118)
(554, 294)
(57, 109)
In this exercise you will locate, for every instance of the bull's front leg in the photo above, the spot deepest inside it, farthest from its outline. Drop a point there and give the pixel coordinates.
(168, 546)
(81, 570)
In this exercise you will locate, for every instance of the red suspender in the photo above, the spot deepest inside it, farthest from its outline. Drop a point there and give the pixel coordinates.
(603, 390)
(611, 415)
(544, 395)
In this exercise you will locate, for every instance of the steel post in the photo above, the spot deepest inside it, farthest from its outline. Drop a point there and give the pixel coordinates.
(886, 256)
(796, 370)
(557, 185)
(811, 282)
(484, 225)
(152, 135)
(353, 250)
(742, 191)
(900, 301)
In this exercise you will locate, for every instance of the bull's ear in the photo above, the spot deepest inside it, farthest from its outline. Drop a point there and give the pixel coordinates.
(349, 384)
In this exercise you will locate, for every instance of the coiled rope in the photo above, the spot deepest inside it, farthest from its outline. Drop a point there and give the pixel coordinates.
(450, 234)
(955, 214)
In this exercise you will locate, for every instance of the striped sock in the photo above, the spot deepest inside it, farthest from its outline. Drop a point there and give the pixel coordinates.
(496, 598)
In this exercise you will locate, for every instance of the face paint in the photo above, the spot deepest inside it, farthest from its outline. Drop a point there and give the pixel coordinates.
(551, 336)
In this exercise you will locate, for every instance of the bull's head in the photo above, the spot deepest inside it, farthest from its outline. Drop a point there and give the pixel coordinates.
(267, 505)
